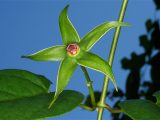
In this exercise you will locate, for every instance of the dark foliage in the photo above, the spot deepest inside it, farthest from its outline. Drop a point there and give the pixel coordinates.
(136, 86)
(157, 2)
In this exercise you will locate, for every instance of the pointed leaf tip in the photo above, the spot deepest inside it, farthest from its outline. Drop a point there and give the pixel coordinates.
(28, 57)
(23, 56)
(65, 72)
(67, 6)
(68, 32)
(99, 31)
(54, 53)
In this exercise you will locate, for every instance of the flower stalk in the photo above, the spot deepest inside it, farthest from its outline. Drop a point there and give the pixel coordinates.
(110, 60)
(89, 85)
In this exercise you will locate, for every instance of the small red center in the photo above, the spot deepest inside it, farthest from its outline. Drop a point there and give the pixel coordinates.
(72, 49)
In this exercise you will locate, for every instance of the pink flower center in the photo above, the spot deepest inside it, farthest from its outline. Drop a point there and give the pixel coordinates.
(72, 49)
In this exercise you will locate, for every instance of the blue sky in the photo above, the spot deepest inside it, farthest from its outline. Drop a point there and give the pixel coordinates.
(27, 26)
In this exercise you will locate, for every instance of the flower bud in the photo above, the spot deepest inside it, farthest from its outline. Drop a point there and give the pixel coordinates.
(73, 49)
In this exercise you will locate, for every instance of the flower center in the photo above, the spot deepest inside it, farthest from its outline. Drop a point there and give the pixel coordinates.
(73, 49)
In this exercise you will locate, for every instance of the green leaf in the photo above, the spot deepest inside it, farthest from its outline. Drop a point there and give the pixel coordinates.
(36, 107)
(20, 83)
(68, 32)
(94, 35)
(65, 72)
(142, 109)
(93, 61)
(24, 96)
(54, 53)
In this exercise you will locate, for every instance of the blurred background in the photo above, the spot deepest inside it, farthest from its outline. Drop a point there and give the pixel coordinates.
(27, 26)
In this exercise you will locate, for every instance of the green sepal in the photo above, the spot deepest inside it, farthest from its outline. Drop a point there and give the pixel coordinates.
(93, 61)
(65, 72)
(54, 53)
(68, 32)
(95, 34)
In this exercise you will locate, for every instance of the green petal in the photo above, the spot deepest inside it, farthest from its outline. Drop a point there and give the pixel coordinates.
(54, 53)
(93, 61)
(68, 32)
(65, 72)
(94, 35)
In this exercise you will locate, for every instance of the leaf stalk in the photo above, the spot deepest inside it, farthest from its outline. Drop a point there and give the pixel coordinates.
(87, 107)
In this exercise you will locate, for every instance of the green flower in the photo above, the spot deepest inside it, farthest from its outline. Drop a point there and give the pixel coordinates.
(75, 51)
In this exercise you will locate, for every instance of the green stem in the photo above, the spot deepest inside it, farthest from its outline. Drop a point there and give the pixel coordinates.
(112, 110)
(89, 85)
(86, 107)
(110, 60)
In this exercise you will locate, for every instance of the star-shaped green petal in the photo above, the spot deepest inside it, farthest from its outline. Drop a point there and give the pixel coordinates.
(68, 32)
(75, 52)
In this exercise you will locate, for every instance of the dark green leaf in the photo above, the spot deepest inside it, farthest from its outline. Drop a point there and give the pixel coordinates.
(20, 83)
(36, 107)
(65, 72)
(142, 109)
(54, 53)
(68, 32)
(93, 61)
(94, 35)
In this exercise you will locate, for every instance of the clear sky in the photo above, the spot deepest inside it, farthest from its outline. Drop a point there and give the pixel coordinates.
(27, 26)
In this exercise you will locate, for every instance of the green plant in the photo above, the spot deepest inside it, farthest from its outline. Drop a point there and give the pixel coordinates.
(25, 96)
(26, 92)
(75, 52)
(141, 64)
